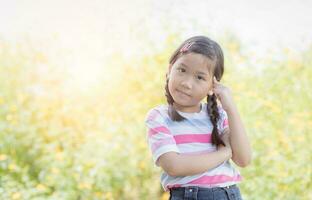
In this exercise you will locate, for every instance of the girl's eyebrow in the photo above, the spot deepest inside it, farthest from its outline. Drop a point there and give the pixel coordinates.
(198, 72)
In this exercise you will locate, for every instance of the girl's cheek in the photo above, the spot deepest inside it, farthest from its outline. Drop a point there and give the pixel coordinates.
(179, 78)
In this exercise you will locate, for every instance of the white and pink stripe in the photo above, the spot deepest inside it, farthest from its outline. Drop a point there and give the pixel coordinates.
(189, 137)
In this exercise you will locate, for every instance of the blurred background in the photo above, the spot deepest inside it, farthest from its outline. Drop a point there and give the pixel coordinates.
(78, 77)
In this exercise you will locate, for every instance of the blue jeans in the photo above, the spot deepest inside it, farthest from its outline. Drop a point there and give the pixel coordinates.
(199, 193)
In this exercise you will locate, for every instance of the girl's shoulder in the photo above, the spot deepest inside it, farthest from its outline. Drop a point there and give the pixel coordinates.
(160, 111)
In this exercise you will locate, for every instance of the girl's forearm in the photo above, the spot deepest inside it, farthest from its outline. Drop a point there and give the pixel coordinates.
(239, 141)
(187, 165)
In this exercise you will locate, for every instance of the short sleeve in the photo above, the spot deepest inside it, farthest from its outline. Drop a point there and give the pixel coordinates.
(223, 122)
(159, 138)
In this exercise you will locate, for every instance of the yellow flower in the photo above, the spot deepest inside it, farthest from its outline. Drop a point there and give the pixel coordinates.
(13, 122)
(142, 165)
(76, 175)
(233, 46)
(12, 167)
(252, 94)
(142, 145)
(90, 164)
(13, 108)
(271, 154)
(80, 186)
(59, 156)
(9, 117)
(40, 187)
(21, 98)
(84, 186)
(3, 157)
(16, 195)
(40, 57)
(117, 147)
(300, 138)
(98, 194)
(258, 124)
(55, 170)
(164, 196)
(283, 174)
(108, 195)
(283, 187)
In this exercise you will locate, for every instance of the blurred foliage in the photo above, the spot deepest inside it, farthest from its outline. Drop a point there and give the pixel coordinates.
(58, 143)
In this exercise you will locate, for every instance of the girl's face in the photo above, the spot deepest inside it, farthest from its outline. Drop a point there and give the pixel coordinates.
(190, 80)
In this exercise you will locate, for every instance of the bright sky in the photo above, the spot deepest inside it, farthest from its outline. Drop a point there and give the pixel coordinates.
(262, 23)
(92, 29)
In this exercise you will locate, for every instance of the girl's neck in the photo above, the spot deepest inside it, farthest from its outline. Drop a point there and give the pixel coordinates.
(188, 109)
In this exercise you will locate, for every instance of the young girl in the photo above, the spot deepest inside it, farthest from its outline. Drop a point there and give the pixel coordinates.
(193, 141)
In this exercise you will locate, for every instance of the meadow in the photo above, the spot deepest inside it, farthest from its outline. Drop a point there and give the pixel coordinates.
(58, 142)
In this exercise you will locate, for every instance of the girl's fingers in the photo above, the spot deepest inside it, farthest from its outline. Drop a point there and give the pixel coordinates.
(215, 79)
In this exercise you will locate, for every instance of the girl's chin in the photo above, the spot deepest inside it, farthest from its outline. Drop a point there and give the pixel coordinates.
(182, 104)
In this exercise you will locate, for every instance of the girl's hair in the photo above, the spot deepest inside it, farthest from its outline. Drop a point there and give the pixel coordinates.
(207, 47)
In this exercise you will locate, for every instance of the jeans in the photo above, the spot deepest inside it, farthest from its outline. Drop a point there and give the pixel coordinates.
(199, 193)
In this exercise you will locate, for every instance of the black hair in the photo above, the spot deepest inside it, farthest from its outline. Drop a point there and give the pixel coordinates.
(209, 48)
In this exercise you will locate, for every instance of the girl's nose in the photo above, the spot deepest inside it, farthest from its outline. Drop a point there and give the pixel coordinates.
(187, 83)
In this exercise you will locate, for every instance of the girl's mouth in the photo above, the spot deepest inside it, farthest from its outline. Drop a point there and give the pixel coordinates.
(183, 93)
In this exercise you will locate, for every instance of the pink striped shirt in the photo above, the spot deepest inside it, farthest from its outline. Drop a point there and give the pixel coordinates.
(190, 136)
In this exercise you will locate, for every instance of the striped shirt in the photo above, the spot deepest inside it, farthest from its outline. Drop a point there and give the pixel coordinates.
(190, 136)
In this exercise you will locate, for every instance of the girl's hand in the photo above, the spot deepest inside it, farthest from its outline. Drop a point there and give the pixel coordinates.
(224, 94)
(226, 139)
(226, 150)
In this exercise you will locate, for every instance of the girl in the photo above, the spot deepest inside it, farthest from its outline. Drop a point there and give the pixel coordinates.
(193, 141)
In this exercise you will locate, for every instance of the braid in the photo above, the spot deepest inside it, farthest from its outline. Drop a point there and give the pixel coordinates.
(212, 109)
(174, 115)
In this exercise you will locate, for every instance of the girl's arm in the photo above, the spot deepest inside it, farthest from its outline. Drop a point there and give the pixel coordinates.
(238, 139)
(186, 165)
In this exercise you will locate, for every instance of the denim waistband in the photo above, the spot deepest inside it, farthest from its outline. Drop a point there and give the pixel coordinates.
(201, 188)
(195, 192)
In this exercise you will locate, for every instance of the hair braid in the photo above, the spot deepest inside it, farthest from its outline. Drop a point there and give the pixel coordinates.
(171, 110)
(213, 112)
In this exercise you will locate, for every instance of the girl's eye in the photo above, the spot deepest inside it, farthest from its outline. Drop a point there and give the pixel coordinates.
(181, 70)
(200, 78)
